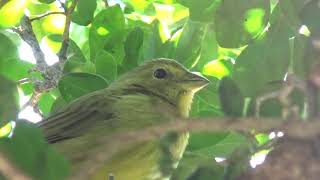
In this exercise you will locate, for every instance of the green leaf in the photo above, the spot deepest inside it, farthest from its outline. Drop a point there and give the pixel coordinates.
(29, 151)
(195, 167)
(132, 48)
(310, 17)
(8, 101)
(46, 1)
(303, 57)
(262, 62)
(206, 103)
(12, 12)
(76, 64)
(58, 104)
(83, 13)
(74, 85)
(238, 22)
(209, 48)
(231, 99)
(215, 144)
(75, 51)
(218, 68)
(46, 101)
(140, 6)
(15, 69)
(107, 33)
(7, 48)
(201, 10)
(189, 45)
(106, 66)
(153, 47)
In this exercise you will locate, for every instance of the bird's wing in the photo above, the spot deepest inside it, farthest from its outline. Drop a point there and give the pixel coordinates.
(78, 117)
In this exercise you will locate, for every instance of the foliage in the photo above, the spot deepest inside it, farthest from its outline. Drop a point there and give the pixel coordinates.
(241, 46)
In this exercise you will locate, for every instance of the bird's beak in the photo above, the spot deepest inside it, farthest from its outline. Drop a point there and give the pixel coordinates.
(194, 81)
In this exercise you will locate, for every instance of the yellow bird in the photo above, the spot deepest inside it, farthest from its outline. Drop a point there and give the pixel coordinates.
(156, 92)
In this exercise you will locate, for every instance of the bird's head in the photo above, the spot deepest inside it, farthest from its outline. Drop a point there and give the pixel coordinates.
(164, 78)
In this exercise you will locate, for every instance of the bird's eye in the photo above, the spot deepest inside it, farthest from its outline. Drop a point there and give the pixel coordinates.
(160, 73)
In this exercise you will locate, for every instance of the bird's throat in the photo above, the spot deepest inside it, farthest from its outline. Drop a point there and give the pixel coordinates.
(184, 103)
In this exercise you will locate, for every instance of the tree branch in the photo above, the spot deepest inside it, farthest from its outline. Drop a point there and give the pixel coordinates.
(26, 33)
(109, 145)
(45, 15)
(65, 42)
(9, 171)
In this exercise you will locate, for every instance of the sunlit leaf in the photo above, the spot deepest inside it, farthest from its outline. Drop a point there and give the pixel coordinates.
(11, 12)
(216, 68)
(54, 23)
(238, 22)
(6, 130)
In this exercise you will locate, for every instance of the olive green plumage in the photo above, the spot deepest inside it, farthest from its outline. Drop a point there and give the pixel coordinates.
(158, 91)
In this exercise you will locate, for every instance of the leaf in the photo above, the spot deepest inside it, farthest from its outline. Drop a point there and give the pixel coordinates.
(29, 151)
(189, 45)
(74, 85)
(198, 166)
(231, 99)
(12, 12)
(238, 22)
(84, 11)
(46, 101)
(303, 56)
(201, 10)
(75, 51)
(106, 66)
(132, 48)
(46, 1)
(153, 47)
(310, 15)
(8, 101)
(209, 48)
(218, 68)
(15, 69)
(76, 64)
(206, 102)
(262, 62)
(107, 33)
(8, 49)
(215, 144)
(58, 104)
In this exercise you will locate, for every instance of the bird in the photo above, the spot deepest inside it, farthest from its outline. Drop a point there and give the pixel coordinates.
(158, 91)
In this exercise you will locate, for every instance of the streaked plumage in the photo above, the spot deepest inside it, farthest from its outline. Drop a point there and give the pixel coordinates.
(155, 92)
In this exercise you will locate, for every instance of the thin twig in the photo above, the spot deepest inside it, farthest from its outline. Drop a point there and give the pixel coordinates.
(45, 15)
(65, 42)
(10, 171)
